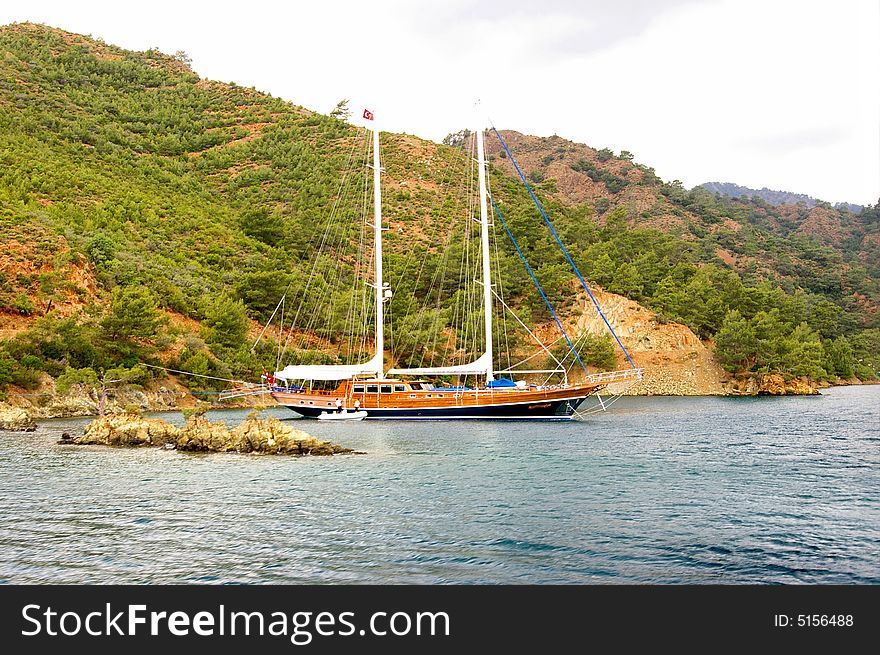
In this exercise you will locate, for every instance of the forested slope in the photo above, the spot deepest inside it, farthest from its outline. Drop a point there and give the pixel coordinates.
(147, 215)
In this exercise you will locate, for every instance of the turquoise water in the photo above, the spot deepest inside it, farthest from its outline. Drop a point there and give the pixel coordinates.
(657, 490)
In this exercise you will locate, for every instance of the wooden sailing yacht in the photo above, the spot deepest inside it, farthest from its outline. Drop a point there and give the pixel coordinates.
(406, 393)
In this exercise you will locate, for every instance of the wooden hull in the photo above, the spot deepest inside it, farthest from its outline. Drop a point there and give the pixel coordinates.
(516, 404)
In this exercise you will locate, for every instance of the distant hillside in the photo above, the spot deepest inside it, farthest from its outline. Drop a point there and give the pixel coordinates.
(820, 248)
(148, 215)
(773, 197)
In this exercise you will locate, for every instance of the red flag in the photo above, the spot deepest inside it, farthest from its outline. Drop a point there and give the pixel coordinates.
(368, 114)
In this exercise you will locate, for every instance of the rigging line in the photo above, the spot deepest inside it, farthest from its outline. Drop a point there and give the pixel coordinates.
(329, 228)
(197, 375)
(436, 282)
(450, 204)
(531, 334)
(352, 311)
(337, 232)
(460, 305)
(408, 312)
(364, 267)
(537, 284)
(463, 320)
(281, 329)
(595, 410)
(317, 258)
(559, 241)
(500, 279)
(462, 338)
(474, 336)
(443, 174)
(265, 327)
(334, 237)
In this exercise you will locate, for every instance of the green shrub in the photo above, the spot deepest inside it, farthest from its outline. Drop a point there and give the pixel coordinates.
(23, 305)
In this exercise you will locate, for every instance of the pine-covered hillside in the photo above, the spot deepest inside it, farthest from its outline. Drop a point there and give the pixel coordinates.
(148, 215)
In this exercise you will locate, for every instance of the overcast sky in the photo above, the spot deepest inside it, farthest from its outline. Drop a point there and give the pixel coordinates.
(776, 93)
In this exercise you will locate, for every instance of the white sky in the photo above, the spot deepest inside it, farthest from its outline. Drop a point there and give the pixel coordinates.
(776, 93)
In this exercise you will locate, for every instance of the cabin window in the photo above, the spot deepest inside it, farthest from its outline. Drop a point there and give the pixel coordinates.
(429, 395)
(439, 395)
(415, 386)
(385, 388)
(372, 388)
(311, 402)
(358, 388)
(329, 404)
(400, 387)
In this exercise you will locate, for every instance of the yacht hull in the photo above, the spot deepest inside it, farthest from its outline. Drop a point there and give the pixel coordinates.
(513, 406)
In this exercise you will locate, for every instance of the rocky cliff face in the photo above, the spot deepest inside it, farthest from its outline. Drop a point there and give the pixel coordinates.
(675, 361)
(266, 436)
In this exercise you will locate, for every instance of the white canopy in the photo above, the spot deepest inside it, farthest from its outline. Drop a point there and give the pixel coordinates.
(478, 367)
(330, 372)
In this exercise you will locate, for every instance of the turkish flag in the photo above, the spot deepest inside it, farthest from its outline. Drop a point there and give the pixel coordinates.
(368, 114)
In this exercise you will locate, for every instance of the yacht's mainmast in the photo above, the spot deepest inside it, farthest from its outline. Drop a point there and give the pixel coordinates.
(487, 271)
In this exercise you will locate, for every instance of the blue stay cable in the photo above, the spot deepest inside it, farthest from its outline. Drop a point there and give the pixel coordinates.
(559, 241)
(537, 284)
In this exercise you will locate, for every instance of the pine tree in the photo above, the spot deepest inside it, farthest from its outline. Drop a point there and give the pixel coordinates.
(736, 344)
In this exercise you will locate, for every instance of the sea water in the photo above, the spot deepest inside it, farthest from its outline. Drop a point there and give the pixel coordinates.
(656, 490)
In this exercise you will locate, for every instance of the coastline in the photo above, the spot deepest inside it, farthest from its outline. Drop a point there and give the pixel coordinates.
(45, 403)
(26, 408)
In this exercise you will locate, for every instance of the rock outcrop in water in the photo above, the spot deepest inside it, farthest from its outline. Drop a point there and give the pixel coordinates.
(128, 430)
(268, 436)
(16, 420)
(771, 385)
(254, 435)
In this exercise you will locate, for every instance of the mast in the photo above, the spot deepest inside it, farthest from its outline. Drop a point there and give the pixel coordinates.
(484, 240)
(377, 237)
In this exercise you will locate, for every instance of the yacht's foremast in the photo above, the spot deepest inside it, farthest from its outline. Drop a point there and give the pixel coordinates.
(377, 240)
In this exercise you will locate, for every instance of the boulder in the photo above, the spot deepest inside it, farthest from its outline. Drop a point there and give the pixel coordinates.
(200, 435)
(271, 436)
(16, 419)
(127, 430)
(777, 385)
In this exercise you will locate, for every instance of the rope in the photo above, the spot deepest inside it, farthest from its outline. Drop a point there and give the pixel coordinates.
(197, 375)
(266, 327)
(113, 391)
(537, 284)
(565, 252)
(531, 334)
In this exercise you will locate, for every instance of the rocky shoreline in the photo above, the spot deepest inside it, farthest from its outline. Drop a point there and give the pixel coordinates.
(659, 384)
(199, 435)
(19, 413)
(46, 403)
